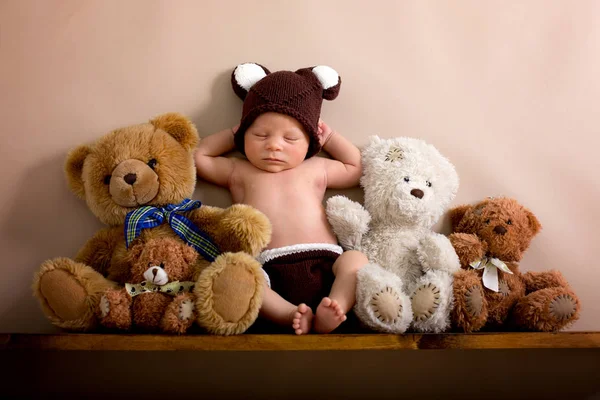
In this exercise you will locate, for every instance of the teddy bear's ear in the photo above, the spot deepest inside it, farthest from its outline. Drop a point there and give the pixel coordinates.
(456, 215)
(190, 255)
(244, 76)
(374, 139)
(534, 223)
(330, 80)
(74, 169)
(135, 252)
(178, 126)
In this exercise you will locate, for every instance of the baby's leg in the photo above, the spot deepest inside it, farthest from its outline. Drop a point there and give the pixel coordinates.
(277, 309)
(332, 310)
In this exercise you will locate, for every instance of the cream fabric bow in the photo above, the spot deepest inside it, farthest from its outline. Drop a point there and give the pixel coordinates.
(490, 266)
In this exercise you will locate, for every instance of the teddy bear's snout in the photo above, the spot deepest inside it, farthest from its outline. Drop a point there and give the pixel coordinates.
(499, 229)
(156, 275)
(418, 193)
(133, 183)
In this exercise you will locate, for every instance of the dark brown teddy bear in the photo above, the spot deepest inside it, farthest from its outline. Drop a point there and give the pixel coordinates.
(158, 295)
(490, 239)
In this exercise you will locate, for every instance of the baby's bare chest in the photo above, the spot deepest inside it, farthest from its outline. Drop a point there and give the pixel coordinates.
(283, 189)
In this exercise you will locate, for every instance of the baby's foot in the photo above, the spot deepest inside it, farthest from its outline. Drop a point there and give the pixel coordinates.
(302, 319)
(329, 316)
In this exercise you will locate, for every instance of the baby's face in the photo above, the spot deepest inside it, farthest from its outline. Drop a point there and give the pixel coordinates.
(275, 142)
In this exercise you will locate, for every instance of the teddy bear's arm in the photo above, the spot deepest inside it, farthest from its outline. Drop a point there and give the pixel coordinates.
(98, 251)
(468, 247)
(435, 252)
(236, 228)
(349, 220)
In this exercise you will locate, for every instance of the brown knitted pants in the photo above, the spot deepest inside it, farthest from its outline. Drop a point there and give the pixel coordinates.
(303, 277)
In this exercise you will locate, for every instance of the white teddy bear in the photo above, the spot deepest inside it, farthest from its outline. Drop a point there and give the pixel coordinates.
(408, 185)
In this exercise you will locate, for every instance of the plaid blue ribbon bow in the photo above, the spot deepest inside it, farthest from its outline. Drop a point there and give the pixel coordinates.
(149, 217)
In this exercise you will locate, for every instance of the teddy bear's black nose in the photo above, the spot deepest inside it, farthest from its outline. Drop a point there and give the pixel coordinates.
(500, 230)
(417, 193)
(130, 178)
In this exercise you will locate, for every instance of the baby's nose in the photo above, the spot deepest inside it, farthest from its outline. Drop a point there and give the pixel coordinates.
(273, 144)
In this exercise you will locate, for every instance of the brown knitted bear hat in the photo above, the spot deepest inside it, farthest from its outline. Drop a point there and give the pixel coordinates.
(296, 94)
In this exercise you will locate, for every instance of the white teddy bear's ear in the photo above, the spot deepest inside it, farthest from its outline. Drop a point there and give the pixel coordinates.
(244, 76)
(374, 139)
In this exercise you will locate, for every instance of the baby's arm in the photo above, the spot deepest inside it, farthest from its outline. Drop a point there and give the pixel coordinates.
(345, 169)
(210, 163)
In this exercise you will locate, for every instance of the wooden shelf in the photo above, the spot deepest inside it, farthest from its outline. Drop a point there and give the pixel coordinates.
(137, 342)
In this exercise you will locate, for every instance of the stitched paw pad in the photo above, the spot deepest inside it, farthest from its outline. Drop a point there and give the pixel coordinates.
(186, 309)
(474, 300)
(387, 306)
(104, 306)
(562, 307)
(503, 287)
(425, 300)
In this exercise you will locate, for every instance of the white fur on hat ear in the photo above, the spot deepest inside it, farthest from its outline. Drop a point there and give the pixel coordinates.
(246, 75)
(326, 75)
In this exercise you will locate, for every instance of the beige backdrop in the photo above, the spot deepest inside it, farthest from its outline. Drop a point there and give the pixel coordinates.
(508, 91)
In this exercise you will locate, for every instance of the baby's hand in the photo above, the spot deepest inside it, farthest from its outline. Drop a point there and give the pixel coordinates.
(235, 128)
(324, 132)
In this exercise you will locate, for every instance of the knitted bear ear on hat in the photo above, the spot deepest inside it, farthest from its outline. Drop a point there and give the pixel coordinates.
(244, 76)
(327, 77)
(330, 80)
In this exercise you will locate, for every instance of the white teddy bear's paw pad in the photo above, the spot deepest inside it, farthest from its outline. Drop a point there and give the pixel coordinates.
(387, 306)
(186, 309)
(104, 306)
(425, 300)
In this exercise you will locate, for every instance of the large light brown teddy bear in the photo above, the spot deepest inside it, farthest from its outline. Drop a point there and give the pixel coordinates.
(490, 292)
(145, 173)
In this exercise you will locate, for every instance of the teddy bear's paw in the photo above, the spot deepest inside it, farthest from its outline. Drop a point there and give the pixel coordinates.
(547, 310)
(179, 315)
(349, 221)
(229, 294)
(186, 310)
(250, 227)
(563, 307)
(104, 307)
(474, 301)
(69, 293)
(470, 311)
(380, 302)
(387, 306)
(432, 302)
(114, 309)
(425, 301)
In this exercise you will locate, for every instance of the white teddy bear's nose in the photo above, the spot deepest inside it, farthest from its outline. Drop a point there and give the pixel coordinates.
(418, 193)
(156, 275)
